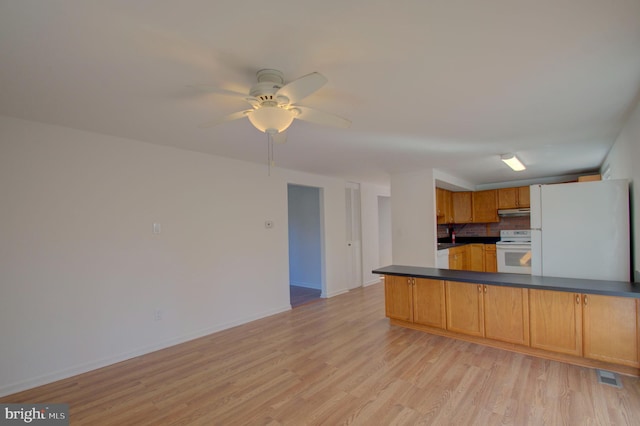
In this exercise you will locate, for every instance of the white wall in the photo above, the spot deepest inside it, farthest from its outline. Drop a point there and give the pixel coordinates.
(371, 244)
(623, 156)
(384, 230)
(305, 236)
(81, 273)
(413, 218)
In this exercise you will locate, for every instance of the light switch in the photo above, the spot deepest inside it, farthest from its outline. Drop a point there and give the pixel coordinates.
(156, 228)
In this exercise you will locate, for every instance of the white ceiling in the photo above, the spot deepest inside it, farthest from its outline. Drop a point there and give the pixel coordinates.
(443, 84)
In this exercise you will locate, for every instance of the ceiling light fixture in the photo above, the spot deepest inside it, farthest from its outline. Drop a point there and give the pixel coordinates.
(512, 161)
(271, 118)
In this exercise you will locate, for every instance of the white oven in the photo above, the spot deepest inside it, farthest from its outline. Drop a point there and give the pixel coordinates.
(513, 251)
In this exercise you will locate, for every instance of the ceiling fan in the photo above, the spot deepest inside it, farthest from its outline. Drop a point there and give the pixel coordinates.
(274, 104)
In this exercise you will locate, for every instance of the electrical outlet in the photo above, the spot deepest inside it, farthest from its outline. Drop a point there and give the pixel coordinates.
(157, 314)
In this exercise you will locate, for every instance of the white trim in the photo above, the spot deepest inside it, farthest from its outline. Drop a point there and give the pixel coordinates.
(372, 282)
(335, 293)
(304, 284)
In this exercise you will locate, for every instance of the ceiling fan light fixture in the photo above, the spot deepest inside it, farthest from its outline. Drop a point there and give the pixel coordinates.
(512, 161)
(271, 118)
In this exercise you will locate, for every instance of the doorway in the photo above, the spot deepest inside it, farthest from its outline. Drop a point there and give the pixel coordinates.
(305, 244)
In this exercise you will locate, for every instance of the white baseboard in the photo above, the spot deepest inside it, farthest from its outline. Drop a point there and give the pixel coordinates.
(305, 285)
(104, 362)
(335, 293)
(372, 282)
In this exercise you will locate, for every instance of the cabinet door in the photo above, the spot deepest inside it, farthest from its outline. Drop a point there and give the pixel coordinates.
(610, 329)
(461, 206)
(443, 206)
(506, 314)
(508, 198)
(464, 308)
(476, 257)
(458, 258)
(485, 206)
(490, 258)
(524, 199)
(428, 302)
(398, 297)
(440, 205)
(556, 321)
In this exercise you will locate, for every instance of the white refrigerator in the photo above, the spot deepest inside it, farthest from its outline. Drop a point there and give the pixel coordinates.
(581, 230)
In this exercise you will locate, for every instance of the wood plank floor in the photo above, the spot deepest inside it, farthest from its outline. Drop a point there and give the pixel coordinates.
(338, 361)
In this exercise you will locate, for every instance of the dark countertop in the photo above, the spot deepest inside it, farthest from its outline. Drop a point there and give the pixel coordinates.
(445, 243)
(574, 285)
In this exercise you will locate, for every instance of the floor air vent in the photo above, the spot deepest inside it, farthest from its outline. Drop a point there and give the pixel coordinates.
(609, 378)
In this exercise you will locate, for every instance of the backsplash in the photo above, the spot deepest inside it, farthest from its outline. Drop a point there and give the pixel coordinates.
(486, 229)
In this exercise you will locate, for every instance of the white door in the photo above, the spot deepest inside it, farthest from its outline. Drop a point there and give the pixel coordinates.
(354, 249)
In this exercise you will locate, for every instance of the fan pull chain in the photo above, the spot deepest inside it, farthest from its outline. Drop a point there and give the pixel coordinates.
(270, 159)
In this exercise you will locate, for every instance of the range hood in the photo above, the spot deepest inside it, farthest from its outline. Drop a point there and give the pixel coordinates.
(514, 212)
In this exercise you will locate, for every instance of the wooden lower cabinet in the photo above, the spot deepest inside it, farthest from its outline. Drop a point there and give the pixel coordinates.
(556, 321)
(417, 300)
(398, 297)
(490, 258)
(476, 257)
(458, 258)
(495, 312)
(506, 314)
(428, 303)
(465, 308)
(578, 328)
(610, 329)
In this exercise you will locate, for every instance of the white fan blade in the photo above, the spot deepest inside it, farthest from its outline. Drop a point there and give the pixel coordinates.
(230, 117)
(302, 87)
(319, 117)
(214, 89)
(238, 95)
(279, 137)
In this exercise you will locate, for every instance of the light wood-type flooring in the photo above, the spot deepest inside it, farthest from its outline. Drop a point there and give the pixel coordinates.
(333, 362)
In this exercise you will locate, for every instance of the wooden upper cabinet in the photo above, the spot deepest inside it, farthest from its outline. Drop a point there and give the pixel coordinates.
(443, 206)
(513, 198)
(610, 329)
(485, 206)
(507, 198)
(556, 321)
(461, 203)
(524, 199)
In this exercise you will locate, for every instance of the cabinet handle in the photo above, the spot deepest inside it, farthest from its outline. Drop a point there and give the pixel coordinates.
(578, 299)
(479, 289)
(485, 288)
(584, 298)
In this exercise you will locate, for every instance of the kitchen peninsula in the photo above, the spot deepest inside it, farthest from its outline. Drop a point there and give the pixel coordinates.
(591, 323)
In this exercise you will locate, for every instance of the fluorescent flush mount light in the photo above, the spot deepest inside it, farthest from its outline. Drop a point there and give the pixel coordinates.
(512, 161)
